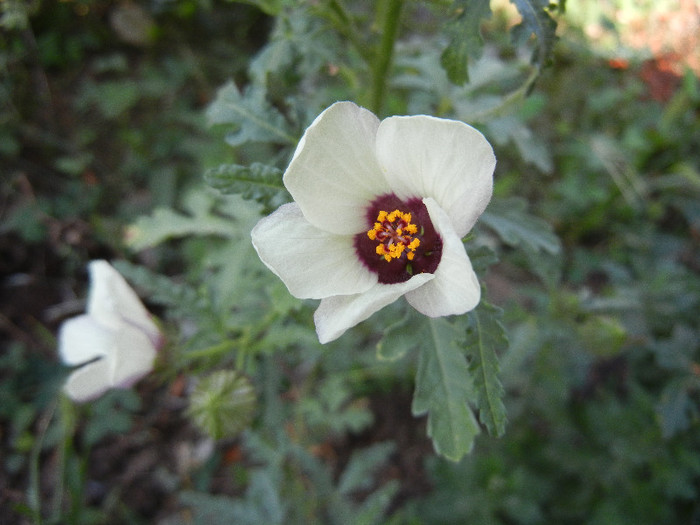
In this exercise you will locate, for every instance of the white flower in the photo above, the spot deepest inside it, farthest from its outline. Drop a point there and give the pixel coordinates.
(380, 209)
(116, 341)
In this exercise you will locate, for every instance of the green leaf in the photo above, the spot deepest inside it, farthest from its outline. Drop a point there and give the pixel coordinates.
(485, 335)
(676, 353)
(676, 408)
(510, 220)
(363, 464)
(399, 338)
(332, 408)
(517, 228)
(114, 98)
(443, 388)
(111, 414)
(373, 509)
(532, 147)
(299, 46)
(161, 289)
(253, 119)
(261, 504)
(537, 21)
(464, 33)
(165, 223)
(481, 257)
(258, 182)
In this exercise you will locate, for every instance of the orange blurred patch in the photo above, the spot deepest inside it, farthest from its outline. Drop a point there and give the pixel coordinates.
(618, 63)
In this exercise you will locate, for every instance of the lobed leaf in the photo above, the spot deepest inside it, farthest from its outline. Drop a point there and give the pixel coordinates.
(517, 228)
(160, 289)
(537, 21)
(465, 41)
(165, 223)
(485, 335)
(359, 474)
(253, 119)
(443, 389)
(531, 146)
(258, 182)
(510, 220)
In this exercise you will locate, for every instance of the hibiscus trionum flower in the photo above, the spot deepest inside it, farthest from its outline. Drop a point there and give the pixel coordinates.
(380, 209)
(116, 340)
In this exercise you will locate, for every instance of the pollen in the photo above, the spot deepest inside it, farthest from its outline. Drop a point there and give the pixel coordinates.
(394, 233)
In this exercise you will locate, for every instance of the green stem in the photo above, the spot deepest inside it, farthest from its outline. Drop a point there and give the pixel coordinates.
(511, 98)
(211, 351)
(384, 55)
(346, 26)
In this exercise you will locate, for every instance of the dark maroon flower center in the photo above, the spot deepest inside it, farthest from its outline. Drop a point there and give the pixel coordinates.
(400, 240)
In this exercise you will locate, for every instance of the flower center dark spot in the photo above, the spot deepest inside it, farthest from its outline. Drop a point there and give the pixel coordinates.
(400, 240)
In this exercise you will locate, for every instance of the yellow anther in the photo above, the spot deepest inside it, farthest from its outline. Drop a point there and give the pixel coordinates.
(394, 233)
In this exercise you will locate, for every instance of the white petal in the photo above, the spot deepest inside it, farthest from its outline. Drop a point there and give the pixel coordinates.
(112, 301)
(444, 159)
(336, 314)
(313, 263)
(133, 357)
(334, 172)
(89, 381)
(82, 339)
(127, 355)
(455, 289)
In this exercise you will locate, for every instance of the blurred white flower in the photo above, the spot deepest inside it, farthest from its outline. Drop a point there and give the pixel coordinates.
(115, 341)
(380, 209)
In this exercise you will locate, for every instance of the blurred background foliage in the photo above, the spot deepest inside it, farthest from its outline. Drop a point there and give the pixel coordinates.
(112, 112)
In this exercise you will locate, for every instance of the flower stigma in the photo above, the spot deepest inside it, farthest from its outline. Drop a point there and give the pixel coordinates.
(394, 233)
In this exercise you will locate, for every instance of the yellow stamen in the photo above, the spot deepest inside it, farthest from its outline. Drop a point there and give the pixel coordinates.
(394, 233)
